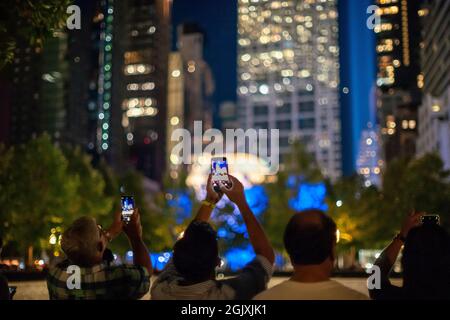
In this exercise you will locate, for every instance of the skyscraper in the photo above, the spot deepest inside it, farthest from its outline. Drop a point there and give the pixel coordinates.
(38, 91)
(140, 81)
(434, 113)
(83, 59)
(190, 88)
(398, 59)
(288, 74)
(198, 77)
(24, 93)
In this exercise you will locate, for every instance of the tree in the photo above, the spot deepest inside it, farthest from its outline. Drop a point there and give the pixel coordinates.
(6, 160)
(91, 198)
(301, 166)
(41, 192)
(31, 21)
(156, 223)
(370, 217)
(421, 184)
(353, 207)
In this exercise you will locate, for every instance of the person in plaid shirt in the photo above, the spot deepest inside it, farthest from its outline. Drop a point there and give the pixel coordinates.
(84, 244)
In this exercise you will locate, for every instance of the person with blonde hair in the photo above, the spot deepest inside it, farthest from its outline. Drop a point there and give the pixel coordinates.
(85, 246)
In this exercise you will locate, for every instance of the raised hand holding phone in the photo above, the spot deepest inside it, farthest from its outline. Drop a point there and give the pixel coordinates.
(235, 192)
(127, 208)
(212, 195)
(219, 172)
(133, 229)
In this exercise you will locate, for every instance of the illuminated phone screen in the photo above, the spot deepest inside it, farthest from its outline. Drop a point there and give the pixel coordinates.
(127, 208)
(219, 169)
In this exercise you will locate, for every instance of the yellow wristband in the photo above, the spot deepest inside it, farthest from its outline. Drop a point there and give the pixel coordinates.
(208, 204)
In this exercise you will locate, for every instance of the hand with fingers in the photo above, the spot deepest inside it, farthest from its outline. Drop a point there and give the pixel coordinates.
(212, 195)
(414, 219)
(235, 192)
(133, 229)
(116, 226)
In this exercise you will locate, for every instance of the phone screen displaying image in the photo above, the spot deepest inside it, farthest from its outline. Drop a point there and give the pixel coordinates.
(127, 208)
(219, 170)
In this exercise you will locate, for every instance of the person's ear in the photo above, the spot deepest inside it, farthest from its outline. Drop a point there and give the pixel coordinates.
(333, 252)
(100, 246)
(218, 262)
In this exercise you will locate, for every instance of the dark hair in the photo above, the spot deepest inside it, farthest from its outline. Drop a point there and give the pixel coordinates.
(309, 237)
(426, 263)
(195, 255)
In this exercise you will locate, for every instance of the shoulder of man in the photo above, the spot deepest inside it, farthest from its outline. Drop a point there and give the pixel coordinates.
(350, 293)
(252, 279)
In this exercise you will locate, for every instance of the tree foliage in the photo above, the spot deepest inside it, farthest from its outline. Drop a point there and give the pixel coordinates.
(40, 191)
(31, 21)
(301, 164)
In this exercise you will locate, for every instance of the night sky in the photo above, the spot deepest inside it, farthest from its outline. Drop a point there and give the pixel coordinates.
(218, 19)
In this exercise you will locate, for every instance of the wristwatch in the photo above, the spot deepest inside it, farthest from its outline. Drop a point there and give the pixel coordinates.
(209, 204)
(400, 237)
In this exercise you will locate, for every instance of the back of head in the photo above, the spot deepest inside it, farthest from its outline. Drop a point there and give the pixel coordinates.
(79, 242)
(426, 262)
(195, 255)
(310, 237)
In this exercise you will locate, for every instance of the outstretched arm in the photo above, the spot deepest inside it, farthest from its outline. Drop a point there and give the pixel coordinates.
(212, 197)
(389, 255)
(133, 230)
(258, 239)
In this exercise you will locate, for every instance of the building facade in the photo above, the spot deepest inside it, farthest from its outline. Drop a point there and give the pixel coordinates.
(190, 90)
(288, 75)
(399, 77)
(434, 113)
(140, 82)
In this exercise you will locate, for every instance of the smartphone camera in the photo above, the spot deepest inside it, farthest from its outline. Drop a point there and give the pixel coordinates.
(431, 219)
(127, 208)
(219, 171)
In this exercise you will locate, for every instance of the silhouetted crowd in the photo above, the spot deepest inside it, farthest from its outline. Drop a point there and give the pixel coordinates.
(310, 239)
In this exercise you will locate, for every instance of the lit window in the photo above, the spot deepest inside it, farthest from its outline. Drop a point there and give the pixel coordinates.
(132, 87)
(134, 69)
(176, 73)
(436, 108)
(264, 89)
(147, 86)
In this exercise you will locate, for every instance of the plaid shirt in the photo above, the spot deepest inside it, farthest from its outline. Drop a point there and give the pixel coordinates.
(99, 282)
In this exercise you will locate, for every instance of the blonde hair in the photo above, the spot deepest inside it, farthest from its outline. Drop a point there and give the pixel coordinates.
(79, 241)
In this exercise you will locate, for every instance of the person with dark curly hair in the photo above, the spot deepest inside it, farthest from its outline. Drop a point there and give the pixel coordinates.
(191, 272)
(425, 262)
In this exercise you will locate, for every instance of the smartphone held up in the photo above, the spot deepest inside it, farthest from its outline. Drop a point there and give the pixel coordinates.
(127, 208)
(219, 173)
